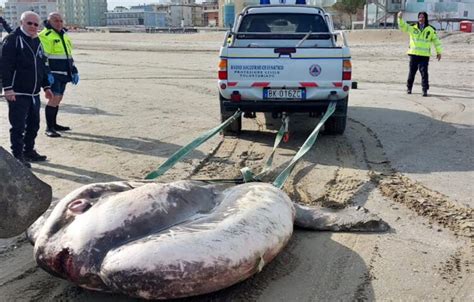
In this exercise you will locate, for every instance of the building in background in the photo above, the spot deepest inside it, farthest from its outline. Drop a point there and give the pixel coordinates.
(229, 9)
(196, 15)
(177, 13)
(210, 13)
(14, 8)
(184, 13)
(443, 14)
(155, 19)
(122, 16)
(146, 16)
(84, 13)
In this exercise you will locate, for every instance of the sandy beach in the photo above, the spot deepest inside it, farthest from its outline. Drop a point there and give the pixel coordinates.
(406, 158)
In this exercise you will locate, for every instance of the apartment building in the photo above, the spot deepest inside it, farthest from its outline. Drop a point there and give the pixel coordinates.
(210, 13)
(14, 8)
(441, 12)
(136, 16)
(84, 13)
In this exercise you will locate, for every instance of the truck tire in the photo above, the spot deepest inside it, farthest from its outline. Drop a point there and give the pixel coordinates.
(235, 127)
(336, 124)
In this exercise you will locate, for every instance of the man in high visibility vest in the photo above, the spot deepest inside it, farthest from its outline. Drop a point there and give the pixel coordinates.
(57, 46)
(422, 35)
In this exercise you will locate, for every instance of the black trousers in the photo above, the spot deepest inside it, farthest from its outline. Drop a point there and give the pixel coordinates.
(24, 116)
(419, 63)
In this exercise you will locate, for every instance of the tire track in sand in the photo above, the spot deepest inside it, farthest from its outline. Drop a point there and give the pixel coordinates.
(434, 206)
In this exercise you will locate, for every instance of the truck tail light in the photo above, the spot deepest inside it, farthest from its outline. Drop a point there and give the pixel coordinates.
(223, 69)
(346, 70)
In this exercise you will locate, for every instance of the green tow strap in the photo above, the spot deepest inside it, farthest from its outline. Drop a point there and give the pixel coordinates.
(170, 162)
(247, 173)
(281, 179)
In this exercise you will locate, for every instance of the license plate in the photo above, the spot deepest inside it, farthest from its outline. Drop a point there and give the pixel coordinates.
(295, 94)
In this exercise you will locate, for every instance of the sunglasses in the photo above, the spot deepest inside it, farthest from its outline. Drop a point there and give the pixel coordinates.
(32, 23)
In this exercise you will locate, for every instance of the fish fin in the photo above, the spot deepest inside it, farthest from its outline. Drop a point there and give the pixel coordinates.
(351, 219)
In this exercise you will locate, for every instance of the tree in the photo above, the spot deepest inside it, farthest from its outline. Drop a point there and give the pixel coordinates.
(443, 17)
(349, 7)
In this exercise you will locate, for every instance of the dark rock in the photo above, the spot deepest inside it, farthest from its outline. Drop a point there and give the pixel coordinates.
(23, 197)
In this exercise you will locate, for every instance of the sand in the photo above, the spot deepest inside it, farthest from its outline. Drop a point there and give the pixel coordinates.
(406, 158)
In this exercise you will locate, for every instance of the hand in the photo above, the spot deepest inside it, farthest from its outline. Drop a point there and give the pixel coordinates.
(50, 79)
(400, 14)
(75, 78)
(48, 94)
(438, 56)
(10, 95)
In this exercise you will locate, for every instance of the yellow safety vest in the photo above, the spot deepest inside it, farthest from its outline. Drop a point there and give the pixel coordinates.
(58, 50)
(420, 40)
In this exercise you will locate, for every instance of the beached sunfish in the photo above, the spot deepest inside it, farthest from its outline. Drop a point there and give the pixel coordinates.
(171, 240)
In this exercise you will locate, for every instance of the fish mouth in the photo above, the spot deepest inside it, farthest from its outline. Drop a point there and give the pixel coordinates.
(63, 264)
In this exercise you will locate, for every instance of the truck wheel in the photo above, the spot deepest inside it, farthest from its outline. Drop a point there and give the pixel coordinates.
(336, 124)
(235, 127)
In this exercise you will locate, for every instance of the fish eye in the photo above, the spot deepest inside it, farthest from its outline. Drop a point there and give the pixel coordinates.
(79, 206)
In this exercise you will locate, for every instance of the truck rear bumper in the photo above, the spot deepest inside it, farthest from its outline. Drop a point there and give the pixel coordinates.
(276, 106)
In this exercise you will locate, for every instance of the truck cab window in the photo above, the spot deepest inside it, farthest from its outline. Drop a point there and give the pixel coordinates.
(283, 23)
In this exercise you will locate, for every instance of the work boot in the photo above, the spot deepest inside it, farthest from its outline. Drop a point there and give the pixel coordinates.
(51, 132)
(61, 128)
(425, 92)
(54, 119)
(23, 161)
(33, 156)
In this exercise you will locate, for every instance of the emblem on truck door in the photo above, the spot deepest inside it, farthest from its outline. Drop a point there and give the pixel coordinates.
(315, 70)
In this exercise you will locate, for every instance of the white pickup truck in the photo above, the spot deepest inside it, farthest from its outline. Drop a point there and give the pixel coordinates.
(284, 58)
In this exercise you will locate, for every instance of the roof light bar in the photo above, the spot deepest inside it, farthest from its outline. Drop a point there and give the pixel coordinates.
(268, 2)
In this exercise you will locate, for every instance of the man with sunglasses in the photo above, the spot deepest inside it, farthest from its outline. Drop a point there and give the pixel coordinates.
(24, 72)
(58, 49)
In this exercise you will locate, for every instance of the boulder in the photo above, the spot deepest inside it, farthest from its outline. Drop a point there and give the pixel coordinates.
(23, 197)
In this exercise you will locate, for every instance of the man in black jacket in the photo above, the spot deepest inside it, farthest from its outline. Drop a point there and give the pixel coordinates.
(24, 72)
(3, 26)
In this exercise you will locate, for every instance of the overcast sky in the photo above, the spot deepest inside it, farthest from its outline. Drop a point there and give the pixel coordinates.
(114, 3)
